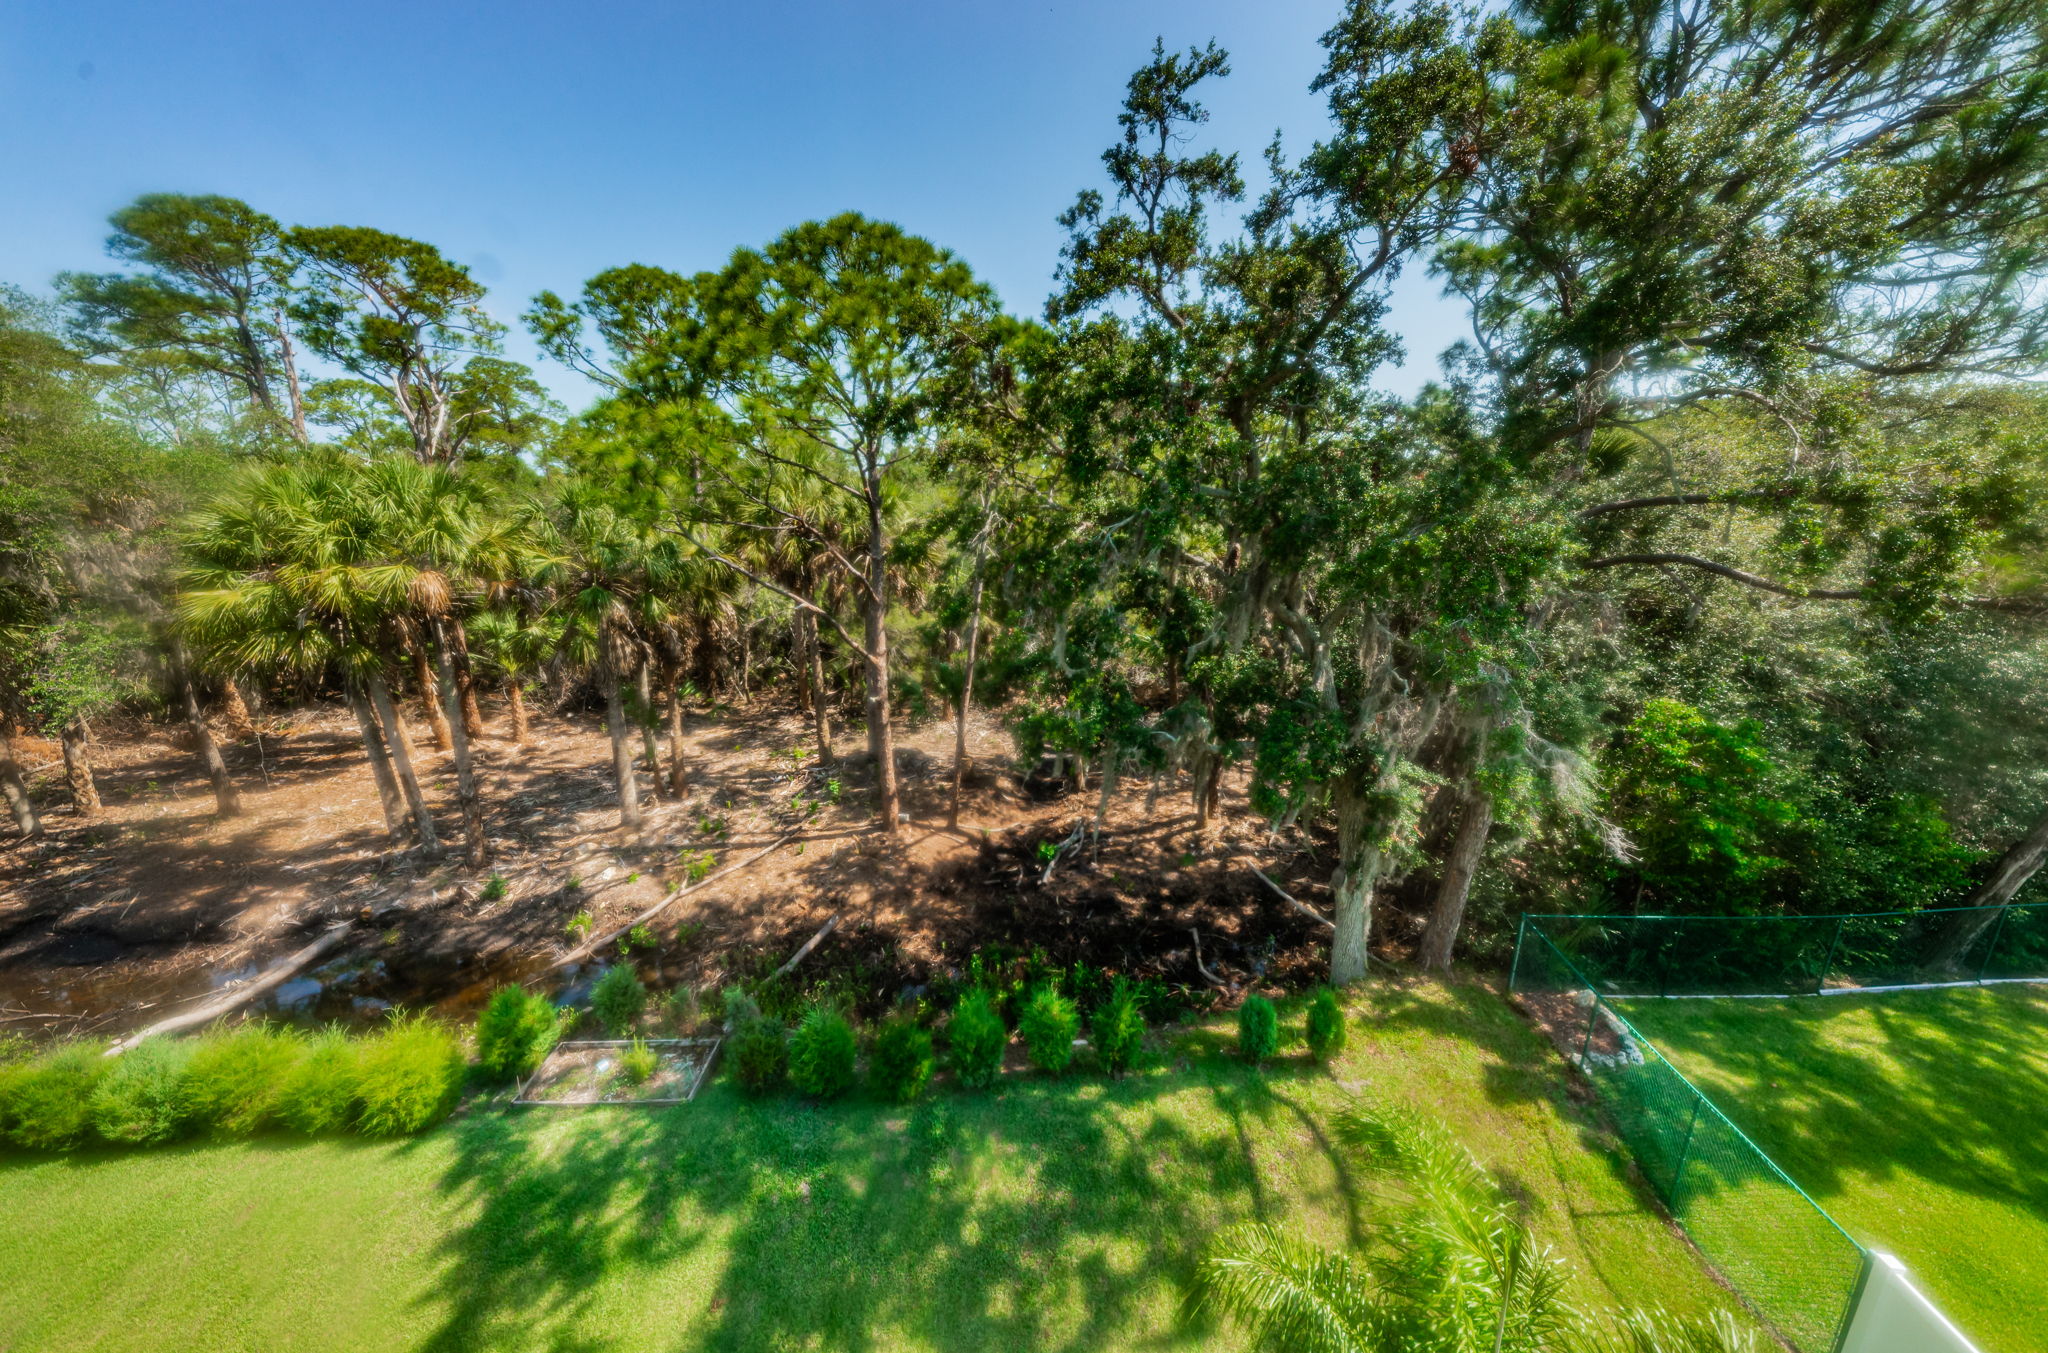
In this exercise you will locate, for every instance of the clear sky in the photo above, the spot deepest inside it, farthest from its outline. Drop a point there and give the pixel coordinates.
(539, 143)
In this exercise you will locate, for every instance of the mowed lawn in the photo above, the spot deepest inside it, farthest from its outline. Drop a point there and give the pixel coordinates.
(1046, 1216)
(1916, 1118)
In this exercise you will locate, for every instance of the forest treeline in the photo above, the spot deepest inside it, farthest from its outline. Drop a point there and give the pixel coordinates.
(1709, 578)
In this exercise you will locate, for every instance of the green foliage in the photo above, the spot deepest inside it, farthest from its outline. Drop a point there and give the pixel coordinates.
(408, 1077)
(1325, 1027)
(822, 1051)
(580, 924)
(757, 1050)
(900, 1060)
(46, 1101)
(1048, 1025)
(235, 1077)
(638, 938)
(495, 889)
(638, 1063)
(139, 1101)
(975, 1038)
(1118, 1030)
(319, 1095)
(619, 998)
(1258, 1029)
(514, 1032)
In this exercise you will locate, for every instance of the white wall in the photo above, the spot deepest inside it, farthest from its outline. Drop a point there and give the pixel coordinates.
(1893, 1316)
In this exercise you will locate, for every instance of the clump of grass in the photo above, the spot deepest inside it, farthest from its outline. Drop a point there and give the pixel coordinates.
(408, 1077)
(639, 937)
(45, 1101)
(580, 924)
(639, 1063)
(515, 1032)
(900, 1062)
(138, 1102)
(1325, 1025)
(1258, 1029)
(619, 998)
(319, 1095)
(1118, 1030)
(1048, 1025)
(232, 1084)
(975, 1039)
(495, 889)
(822, 1052)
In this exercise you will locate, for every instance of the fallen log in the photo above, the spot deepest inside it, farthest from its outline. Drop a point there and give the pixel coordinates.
(235, 997)
(808, 945)
(1290, 900)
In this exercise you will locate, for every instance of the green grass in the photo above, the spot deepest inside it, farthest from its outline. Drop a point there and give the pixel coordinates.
(1913, 1117)
(1050, 1215)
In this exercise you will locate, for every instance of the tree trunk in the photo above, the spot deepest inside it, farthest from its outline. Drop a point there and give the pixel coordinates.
(1353, 881)
(14, 787)
(476, 851)
(1461, 862)
(881, 738)
(240, 725)
(622, 752)
(430, 697)
(522, 732)
(966, 692)
(401, 765)
(678, 776)
(1208, 789)
(380, 763)
(465, 681)
(644, 714)
(705, 650)
(227, 802)
(290, 362)
(821, 707)
(85, 795)
(2014, 870)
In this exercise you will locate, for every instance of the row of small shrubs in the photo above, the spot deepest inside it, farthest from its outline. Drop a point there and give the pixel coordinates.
(1258, 1027)
(234, 1083)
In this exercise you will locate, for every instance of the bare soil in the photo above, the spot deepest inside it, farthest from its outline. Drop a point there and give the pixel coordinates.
(111, 922)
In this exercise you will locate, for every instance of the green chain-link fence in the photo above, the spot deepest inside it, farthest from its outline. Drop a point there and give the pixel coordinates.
(1787, 1257)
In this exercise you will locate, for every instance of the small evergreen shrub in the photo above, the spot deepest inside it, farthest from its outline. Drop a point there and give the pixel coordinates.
(139, 1102)
(409, 1077)
(1049, 1024)
(900, 1062)
(320, 1093)
(1118, 1030)
(231, 1085)
(619, 998)
(758, 1052)
(515, 1032)
(975, 1039)
(682, 1010)
(737, 1008)
(46, 1101)
(495, 888)
(639, 1063)
(1258, 1029)
(1325, 1025)
(822, 1053)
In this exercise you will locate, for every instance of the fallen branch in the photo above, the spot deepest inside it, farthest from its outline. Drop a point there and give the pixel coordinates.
(1291, 900)
(237, 996)
(1201, 967)
(1073, 842)
(585, 950)
(809, 945)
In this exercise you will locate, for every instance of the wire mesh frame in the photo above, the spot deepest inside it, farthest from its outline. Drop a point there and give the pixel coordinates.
(1736, 1203)
(519, 1096)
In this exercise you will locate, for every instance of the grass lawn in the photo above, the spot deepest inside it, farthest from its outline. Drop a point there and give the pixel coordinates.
(1047, 1216)
(1914, 1117)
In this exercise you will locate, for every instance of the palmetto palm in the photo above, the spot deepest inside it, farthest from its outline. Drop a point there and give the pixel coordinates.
(1455, 1269)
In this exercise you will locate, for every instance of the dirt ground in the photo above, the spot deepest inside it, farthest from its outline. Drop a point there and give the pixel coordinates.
(113, 922)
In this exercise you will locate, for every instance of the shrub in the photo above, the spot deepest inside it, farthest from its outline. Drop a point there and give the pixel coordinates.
(408, 1077)
(619, 998)
(45, 1102)
(639, 1062)
(822, 1052)
(900, 1063)
(1118, 1030)
(1258, 1029)
(320, 1093)
(758, 1052)
(1049, 1024)
(139, 1101)
(1325, 1025)
(682, 1010)
(975, 1039)
(515, 1032)
(737, 1008)
(235, 1076)
(495, 889)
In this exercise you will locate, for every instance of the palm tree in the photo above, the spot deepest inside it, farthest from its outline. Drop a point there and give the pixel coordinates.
(1456, 1268)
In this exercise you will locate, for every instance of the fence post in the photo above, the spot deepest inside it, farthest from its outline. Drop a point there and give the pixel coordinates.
(1515, 969)
(1592, 1017)
(1834, 943)
(1684, 1156)
(1997, 933)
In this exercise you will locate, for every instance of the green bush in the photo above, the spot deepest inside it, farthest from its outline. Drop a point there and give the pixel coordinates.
(1049, 1024)
(139, 1102)
(619, 998)
(231, 1085)
(975, 1040)
(515, 1032)
(408, 1077)
(758, 1053)
(900, 1063)
(822, 1052)
(320, 1093)
(639, 1063)
(1118, 1030)
(45, 1101)
(1258, 1029)
(1325, 1025)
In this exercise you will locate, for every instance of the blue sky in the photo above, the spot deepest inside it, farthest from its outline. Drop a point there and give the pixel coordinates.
(541, 143)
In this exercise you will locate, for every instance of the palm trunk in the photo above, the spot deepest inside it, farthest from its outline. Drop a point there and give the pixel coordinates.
(227, 802)
(380, 763)
(1461, 862)
(678, 777)
(622, 752)
(966, 695)
(1353, 881)
(85, 795)
(1208, 789)
(430, 697)
(465, 681)
(521, 731)
(2013, 871)
(401, 764)
(14, 787)
(821, 708)
(476, 847)
(240, 725)
(644, 715)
